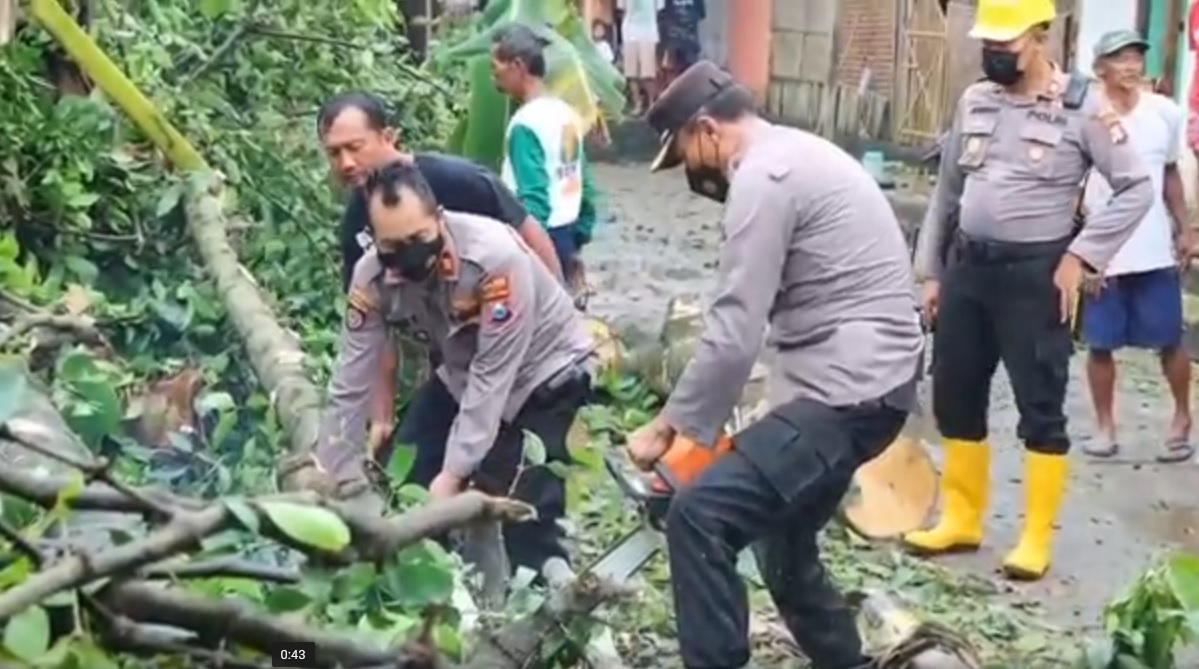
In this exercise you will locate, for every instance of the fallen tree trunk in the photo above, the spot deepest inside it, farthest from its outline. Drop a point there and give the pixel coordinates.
(274, 352)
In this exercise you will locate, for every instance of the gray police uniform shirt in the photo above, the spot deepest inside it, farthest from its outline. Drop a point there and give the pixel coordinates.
(812, 247)
(503, 324)
(1011, 170)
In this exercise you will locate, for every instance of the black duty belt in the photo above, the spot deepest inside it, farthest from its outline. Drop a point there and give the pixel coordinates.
(977, 251)
(568, 379)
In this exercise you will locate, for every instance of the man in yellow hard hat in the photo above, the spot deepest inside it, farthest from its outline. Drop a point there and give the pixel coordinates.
(1001, 261)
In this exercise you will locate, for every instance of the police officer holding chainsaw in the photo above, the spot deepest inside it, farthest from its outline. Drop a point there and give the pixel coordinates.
(812, 248)
(1003, 216)
(514, 356)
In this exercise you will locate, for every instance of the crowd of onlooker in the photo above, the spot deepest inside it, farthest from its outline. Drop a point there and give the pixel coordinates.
(651, 41)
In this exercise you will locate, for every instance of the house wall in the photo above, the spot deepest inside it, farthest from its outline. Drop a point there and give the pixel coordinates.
(866, 40)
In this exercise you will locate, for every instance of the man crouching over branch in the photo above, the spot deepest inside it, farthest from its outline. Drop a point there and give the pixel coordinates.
(513, 356)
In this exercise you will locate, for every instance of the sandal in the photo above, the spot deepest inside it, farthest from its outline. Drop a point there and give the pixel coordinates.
(1106, 448)
(1178, 449)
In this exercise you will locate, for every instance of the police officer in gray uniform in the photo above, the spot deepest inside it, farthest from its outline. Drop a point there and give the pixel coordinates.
(514, 356)
(1003, 215)
(812, 248)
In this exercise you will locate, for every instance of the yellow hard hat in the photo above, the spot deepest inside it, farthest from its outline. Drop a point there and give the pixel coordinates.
(1005, 20)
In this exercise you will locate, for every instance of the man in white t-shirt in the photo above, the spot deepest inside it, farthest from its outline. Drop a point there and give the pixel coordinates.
(1139, 301)
(639, 40)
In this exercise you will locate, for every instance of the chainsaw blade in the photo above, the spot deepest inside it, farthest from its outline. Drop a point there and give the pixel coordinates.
(627, 556)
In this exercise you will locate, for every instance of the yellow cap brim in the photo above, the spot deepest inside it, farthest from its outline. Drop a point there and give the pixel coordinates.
(667, 157)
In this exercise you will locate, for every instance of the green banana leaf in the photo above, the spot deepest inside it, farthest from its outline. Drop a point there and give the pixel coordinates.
(576, 72)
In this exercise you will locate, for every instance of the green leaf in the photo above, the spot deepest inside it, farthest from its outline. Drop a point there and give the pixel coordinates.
(244, 514)
(417, 579)
(1182, 573)
(399, 466)
(82, 268)
(212, 9)
(533, 449)
(13, 385)
(286, 600)
(105, 402)
(27, 634)
(309, 525)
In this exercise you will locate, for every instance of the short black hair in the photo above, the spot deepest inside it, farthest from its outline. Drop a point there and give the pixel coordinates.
(518, 42)
(390, 179)
(371, 105)
(730, 104)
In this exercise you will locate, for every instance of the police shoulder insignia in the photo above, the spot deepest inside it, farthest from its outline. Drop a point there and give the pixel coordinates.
(359, 304)
(498, 312)
(495, 293)
(1110, 118)
(494, 289)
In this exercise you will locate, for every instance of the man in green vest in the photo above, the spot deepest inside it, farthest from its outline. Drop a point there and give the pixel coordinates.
(544, 159)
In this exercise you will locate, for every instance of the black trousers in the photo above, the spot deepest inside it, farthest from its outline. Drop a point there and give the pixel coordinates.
(549, 415)
(998, 302)
(779, 486)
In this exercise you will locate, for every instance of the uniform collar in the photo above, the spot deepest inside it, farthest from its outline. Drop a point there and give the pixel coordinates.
(448, 262)
(1057, 86)
(755, 134)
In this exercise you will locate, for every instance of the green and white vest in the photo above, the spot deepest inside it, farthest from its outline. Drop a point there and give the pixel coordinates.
(543, 160)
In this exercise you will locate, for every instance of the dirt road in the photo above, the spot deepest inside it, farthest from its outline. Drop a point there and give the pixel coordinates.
(1118, 515)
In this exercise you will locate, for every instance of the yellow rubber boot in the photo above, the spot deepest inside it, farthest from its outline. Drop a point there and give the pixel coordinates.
(965, 481)
(1044, 486)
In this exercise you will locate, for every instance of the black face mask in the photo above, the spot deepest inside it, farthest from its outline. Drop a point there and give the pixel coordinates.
(708, 182)
(415, 260)
(1001, 67)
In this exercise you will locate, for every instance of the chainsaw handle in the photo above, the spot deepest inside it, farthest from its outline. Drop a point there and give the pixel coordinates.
(664, 473)
(618, 470)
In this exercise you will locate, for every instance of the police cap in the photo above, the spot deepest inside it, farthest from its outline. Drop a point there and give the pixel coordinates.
(680, 102)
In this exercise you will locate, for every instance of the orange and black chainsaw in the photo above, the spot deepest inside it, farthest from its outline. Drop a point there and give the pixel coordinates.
(891, 494)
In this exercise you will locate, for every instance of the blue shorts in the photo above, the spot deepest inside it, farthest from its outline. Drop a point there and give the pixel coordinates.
(1142, 310)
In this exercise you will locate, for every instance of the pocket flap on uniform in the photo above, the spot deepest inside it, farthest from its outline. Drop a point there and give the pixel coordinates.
(1042, 133)
(980, 123)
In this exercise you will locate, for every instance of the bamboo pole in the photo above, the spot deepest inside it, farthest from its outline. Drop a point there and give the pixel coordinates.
(97, 65)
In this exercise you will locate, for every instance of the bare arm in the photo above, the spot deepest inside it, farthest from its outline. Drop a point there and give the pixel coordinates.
(539, 242)
(1173, 191)
(1175, 197)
